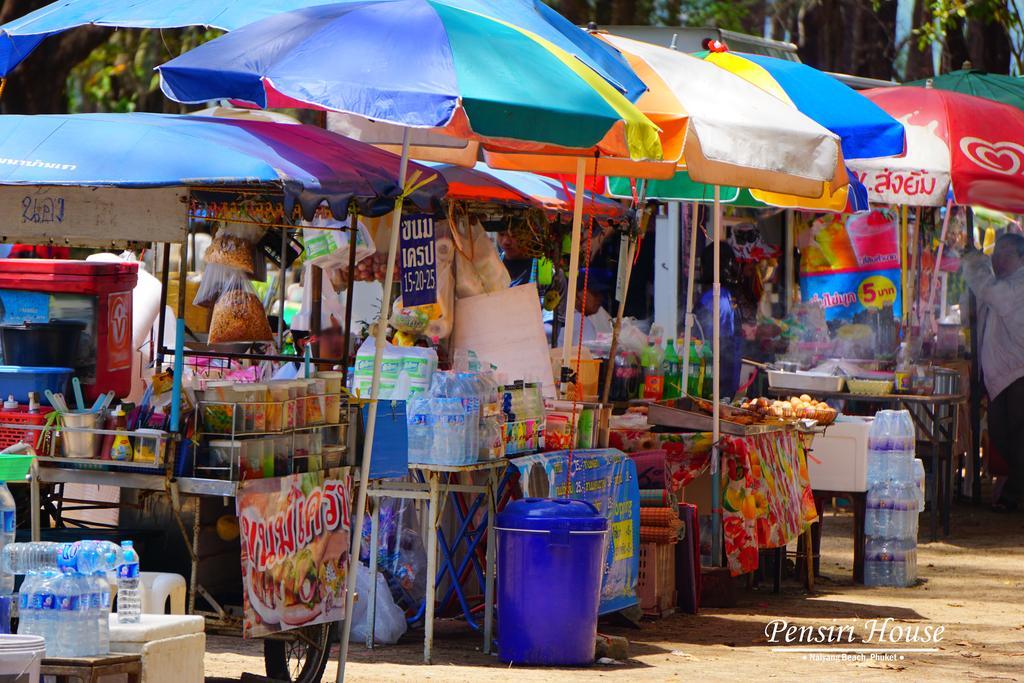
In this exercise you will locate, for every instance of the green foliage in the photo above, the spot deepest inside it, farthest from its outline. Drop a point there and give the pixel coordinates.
(119, 75)
(732, 15)
(950, 14)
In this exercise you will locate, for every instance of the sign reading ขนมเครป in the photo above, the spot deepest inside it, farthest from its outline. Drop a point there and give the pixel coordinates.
(295, 534)
(418, 262)
(606, 478)
(851, 263)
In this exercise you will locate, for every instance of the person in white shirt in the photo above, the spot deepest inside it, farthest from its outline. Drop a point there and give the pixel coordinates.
(998, 284)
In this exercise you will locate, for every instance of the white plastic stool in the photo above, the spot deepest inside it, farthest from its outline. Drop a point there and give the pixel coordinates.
(157, 588)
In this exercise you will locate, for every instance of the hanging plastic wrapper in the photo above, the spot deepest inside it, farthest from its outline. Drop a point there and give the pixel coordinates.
(478, 267)
(328, 240)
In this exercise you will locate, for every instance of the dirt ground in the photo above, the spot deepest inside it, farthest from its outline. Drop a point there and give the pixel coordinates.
(971, 583)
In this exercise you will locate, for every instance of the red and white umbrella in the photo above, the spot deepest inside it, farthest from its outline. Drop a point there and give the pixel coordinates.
(971, 146)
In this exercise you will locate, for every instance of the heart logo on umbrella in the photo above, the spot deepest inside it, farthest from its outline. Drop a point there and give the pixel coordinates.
(1006, 158)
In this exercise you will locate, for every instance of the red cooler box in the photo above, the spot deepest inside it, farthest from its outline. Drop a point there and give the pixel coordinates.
(97, 294)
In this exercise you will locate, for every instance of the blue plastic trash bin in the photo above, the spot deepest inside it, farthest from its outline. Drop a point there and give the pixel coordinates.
(550, 555)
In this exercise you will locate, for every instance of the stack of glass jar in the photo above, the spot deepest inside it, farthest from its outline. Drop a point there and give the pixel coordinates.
(250, 431)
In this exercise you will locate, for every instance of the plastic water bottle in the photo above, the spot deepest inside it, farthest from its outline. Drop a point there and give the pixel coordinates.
(420, 423)
(8, 522)
(885, 562)
(448, 446)
(871, 562)
(878, 517)
(27, 613)
(103, 612)
(129, 602)
(67, 631)
(470, 396)
(44, 603)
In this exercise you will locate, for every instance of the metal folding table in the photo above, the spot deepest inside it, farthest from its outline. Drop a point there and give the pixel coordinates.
(437, 484)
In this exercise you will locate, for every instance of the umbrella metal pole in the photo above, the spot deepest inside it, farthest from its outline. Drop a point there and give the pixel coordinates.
(688, 324)
(716, 363)
(282, 288)
(574, 266)
(350, 294)
(371, 420)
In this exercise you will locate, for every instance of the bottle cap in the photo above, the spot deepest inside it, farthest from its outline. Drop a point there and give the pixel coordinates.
(10, 403)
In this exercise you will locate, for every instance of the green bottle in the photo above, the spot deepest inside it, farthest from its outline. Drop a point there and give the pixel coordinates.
(672, 371)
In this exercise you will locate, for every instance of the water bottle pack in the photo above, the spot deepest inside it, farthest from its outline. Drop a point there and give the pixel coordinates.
(894, 500)
(453, 423)
(65, 597)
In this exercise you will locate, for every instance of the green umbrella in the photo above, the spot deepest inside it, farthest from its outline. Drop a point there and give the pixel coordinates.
(998, 87)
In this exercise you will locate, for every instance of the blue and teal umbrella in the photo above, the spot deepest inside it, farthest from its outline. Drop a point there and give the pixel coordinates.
(419, 64)
(18, 38)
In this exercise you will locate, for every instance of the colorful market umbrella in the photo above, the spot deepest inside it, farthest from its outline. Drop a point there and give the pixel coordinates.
(956, 144)
(866, 131)
(19, 37)
(999, 87)
(723, 129)
(136, 151)
(485, 184)
(433, 67)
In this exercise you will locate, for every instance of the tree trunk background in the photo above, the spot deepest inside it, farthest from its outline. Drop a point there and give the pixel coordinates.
(39, 84)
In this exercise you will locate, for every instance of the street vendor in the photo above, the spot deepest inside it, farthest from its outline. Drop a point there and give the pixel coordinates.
(998, 284)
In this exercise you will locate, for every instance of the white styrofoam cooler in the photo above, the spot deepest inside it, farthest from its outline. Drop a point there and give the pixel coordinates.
(172, 646)
(839, 458)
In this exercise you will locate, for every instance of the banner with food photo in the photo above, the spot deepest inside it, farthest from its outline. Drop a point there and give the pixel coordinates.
(850, 263)
(295, 534)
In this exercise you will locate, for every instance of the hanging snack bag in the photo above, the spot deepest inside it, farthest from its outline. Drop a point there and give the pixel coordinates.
(238, 314)
(235, 246)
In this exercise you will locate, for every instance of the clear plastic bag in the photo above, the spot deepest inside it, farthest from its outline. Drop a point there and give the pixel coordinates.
(401, 554)
(234, 246)
(238, 314)
(215, 281)
(389, 620)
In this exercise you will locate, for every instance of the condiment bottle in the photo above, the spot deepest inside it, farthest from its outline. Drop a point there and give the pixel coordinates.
(121, 448)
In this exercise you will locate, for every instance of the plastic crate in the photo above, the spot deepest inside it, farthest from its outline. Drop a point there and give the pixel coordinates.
(10, 435)
(656, 586)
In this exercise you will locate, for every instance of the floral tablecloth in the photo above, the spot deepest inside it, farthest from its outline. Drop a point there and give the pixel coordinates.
(766, 493)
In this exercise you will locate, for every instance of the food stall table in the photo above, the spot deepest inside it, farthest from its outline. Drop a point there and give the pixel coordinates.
(938, 429)
(435, 483)
(766, 495)
(93, 669)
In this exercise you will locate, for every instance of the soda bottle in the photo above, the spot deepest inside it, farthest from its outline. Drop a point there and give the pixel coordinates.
(653, 379)
(672, 372)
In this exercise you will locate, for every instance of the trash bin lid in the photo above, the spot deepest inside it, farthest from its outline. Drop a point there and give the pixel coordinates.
(546, 514)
